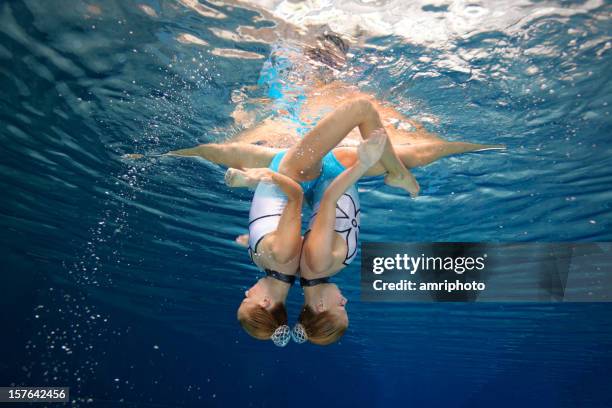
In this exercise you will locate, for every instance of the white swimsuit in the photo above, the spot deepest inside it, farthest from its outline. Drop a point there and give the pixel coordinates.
(269, 201)
(266, 209)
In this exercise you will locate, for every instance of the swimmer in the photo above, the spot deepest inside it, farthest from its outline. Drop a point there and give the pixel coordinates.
(275, 248)
(311, 166)
(304, 81)
(318, 155)
(317, 94)
(329, 245)
(299, 162)
(274, 242)
(314, 163)
(303, 87)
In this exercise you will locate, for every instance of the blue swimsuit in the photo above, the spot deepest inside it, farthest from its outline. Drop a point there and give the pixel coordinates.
(283, 79)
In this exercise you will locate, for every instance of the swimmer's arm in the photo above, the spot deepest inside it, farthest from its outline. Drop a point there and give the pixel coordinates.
(286, 241)
(237, 155)
(290, 187)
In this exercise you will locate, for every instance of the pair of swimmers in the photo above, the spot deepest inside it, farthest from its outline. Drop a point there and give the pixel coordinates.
(317, 169)
(319, 172)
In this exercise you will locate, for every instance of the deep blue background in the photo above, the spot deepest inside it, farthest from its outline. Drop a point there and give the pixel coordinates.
(120, 279)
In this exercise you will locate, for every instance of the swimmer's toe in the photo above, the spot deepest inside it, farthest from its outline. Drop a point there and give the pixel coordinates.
(243, 240)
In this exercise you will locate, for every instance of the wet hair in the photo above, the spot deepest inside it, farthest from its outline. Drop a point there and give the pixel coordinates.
(338, 41)
(322, 328)
(261, 323)
(327, 50)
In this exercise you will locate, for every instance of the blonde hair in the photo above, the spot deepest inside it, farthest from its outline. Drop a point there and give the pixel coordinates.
(261, 323)
(322, 328)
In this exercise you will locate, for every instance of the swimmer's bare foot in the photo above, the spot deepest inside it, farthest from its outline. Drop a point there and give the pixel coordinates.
(405, 181)
(247, 177)
(370, 150)
(401, 177)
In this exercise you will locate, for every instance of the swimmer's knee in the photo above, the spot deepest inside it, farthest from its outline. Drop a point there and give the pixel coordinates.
(364, 107)
(282, 254)
(318, 262)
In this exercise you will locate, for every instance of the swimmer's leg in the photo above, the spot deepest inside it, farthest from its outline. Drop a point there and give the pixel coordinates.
(318, 245)
(426, 153)
(303, 161)
(237, 155)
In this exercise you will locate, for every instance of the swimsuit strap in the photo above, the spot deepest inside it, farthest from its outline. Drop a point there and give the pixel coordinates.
(290, 279)
(313, 282)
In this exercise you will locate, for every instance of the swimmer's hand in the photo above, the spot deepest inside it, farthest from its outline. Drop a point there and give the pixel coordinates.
(243, 240)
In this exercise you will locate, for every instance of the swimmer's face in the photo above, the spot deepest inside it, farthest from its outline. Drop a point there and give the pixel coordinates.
(256, 295)
(245, 309)
(258, 316)
(254, 298)
(324, 316)
(334, 302)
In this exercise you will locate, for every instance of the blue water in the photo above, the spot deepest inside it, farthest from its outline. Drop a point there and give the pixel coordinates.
(121, 280)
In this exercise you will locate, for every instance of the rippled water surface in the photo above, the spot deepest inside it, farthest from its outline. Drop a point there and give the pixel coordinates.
(121, 278)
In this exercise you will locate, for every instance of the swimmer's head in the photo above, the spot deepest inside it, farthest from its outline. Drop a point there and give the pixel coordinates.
(324, 316)
(260, 314)
(328, 50)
